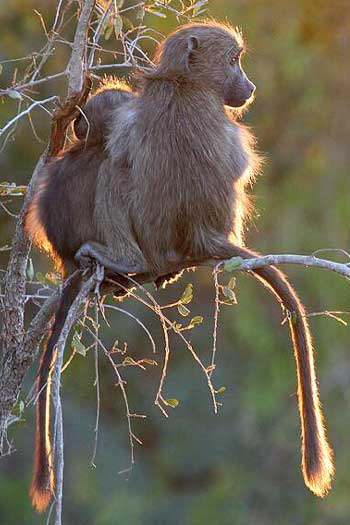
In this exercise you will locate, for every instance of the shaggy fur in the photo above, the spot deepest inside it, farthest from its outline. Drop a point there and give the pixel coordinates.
(159, 176)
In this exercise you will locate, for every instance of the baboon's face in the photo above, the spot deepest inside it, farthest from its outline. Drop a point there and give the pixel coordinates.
(214, 56)
(208, 54)
(237, 88)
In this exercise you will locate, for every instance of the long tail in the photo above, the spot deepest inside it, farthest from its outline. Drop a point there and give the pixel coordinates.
(317, 456)
(42, 486)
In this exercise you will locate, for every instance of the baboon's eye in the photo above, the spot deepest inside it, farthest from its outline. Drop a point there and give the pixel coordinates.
(234, 59)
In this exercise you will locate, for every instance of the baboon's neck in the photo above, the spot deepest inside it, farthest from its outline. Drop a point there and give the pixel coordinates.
(179, 92)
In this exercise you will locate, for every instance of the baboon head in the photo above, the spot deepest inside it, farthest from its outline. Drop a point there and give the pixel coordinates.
(208, 54)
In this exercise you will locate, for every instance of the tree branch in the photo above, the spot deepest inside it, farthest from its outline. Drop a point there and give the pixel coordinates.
(77, 63)
(14, 362)
(15, 359)
(55, 393)
(40, 326)
(11, 122)
(305, 260)
(247, 265)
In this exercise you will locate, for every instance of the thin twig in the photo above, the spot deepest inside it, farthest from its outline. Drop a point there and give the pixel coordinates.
(111, 66)
(216, 317)
(333, 314)
(332, 250)
(31, 84)
(59, 451)
(2, 204)
(11, 122)
(121, 384)
(97, 386)
(167, 324)
(122, 310)
(98, 32)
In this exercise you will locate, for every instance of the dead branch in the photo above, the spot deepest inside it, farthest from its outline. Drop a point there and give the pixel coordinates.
(76, 69)
(15, 359)
(14, 363)
(55, 392)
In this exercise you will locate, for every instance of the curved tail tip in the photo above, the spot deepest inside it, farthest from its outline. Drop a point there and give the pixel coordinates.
(319, 480)
(320, 486)
(40, 498)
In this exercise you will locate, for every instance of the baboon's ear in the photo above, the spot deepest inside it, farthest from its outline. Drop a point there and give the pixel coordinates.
(192, 45)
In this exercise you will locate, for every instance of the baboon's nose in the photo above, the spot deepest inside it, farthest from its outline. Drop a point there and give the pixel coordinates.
(251, 88)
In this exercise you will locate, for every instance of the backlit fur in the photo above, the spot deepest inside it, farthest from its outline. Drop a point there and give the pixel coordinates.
(160, 176)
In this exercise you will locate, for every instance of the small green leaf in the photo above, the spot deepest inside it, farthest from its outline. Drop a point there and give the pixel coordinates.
(172, 402)
(40, 277)
(118, 25)
(187, 295)
(109, 27)
(229, 303)
(30, 270)
(198, 319)
(183, 310)
(52, 278)
(12, 93)
(221, 390)
(48, 278)
(233, 264)
(77, 345)
(79, 330)
(129, 361)
(229, 293)
(18, 190)
(5, 187)
(177, 326)
(150, 362)
(232, 283)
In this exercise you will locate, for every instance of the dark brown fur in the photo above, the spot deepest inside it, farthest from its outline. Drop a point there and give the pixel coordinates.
(91, 124)
(163, 180)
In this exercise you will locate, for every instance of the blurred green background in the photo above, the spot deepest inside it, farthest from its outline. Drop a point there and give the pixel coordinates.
(241, 466)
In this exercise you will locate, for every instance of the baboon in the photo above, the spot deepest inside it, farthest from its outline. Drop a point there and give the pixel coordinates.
(164, 183)
(91, 125)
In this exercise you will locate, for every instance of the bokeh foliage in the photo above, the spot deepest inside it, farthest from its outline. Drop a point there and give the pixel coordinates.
(242, 466)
